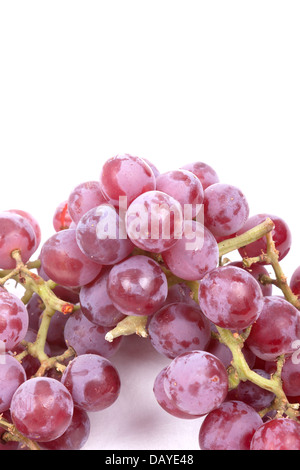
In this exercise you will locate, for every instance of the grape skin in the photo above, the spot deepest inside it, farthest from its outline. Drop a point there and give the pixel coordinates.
(101, 235)
(195, 254)
(96, 304)
(196, 382)
(12, 375)
(177, 328)
(277, 434)
(87, 338)
(93, 382)
(137, 286)
(274, 332)
(42, 409)
(163, 400)
(127, 176)
(13, 319)
(183, 186)
(154, 221)
(229, 427)
(84, 197)
(16, 233)
(64, 263)
(225, 209)
(230, 297)
(206, 174)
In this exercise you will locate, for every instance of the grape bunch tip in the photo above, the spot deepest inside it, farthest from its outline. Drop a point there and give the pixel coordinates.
(176, 258)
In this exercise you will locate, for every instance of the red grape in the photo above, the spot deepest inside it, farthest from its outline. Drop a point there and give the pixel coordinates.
(84, 197)
(61, 218)
(93, 382)
(206, 174)
(229, 427)
(12, 375)
(225, 209)
(13, 319)
(137, 286)
(42, 409)
(230, 297)
(277, 434)
(64, 262)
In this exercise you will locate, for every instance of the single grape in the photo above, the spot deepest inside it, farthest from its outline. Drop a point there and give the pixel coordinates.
(290, 373)
(16, 233)
(154, 221)
(87, 338)
(252, 394)
(277, 434)
(295, 281)
(206, 174)
(281, 236)
(177, 328)
(93, 382)
(185, 187)
(230, 297)
(156, 172)
(137, 286)
(64, 262)
(276, 329)
(126, 176)
(96, 304)
(225, 209)
(33, 222)
(42, 409)
(12, 375)
(195, 254)
(76, 435)
(61, 217)
(13, 319)
(229, 427)
(84, 197)
(257, 270)
(101, 235)
(162, 399)
(196, 382)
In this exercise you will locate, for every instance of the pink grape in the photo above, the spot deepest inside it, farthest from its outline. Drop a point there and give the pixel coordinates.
(64, 262)
(75, 436)
(257, 270)
(93, 382)
(162, 399)
(84, 197)
(102, 237)
(137, 286)
(277, 434)
(61, 218)
(281, 236)
(225, 209)
(16, 233)
(230, 427)
(87, 338)
(154, 221)
(206, 174)
(183, 186)
(33, 222)
(96, 304)
(230, 297)
(295, 281)
(42, 409)
(12, 375)
(13, 319)
(126, 175)
(195, 254)
(196, 382)
(276, 329)
(177, 328)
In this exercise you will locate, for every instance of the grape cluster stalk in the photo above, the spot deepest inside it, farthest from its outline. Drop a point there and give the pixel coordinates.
(143, 252)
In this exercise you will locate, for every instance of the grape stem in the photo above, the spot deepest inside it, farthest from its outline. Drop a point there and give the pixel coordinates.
(132, 324)
(12, 434)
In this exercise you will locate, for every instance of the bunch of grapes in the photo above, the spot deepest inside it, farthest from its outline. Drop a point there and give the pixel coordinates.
(142, 252)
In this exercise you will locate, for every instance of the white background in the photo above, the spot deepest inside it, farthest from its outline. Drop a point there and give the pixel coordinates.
(172, 81)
